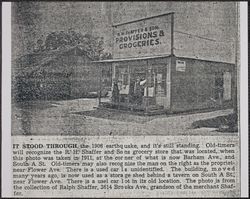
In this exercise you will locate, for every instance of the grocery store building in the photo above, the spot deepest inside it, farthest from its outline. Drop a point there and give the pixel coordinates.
(157, 69)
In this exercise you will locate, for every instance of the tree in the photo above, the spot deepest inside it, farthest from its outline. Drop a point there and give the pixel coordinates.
(64, 40)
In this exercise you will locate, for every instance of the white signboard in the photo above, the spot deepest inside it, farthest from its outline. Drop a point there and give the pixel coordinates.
(180, 66)
(149, 37)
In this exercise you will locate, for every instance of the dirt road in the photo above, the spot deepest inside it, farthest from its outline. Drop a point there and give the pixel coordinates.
(79, 117)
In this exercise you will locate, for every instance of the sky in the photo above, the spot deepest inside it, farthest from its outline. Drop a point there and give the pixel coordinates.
(34, 20)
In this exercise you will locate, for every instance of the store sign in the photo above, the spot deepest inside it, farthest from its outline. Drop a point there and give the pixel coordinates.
(149, 37)
(180, 66)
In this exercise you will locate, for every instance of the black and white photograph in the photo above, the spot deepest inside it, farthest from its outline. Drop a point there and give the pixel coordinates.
(124, 68)
(124, 99)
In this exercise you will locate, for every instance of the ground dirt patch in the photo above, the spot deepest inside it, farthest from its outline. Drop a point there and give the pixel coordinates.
(118, 116)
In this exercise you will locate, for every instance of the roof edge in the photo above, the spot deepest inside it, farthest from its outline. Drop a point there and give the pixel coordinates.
(131, 59)
(200, 59)
(141, 19)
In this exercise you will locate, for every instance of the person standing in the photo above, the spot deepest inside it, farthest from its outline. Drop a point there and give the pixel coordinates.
(138, 92)
(115, 93)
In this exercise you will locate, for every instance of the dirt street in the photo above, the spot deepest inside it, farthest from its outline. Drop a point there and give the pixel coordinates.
(80, 117)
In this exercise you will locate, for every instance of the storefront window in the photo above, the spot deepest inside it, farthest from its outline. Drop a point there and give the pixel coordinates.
(139, 83)
(151, 78)
(125, 79)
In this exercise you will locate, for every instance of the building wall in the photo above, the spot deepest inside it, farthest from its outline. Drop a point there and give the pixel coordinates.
(195, 87)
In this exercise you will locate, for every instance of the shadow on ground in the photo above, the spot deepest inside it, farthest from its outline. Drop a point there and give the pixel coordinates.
(36, 105)
(227, 123)
(118, 116)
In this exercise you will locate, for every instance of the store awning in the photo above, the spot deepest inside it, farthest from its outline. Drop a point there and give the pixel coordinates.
(130, 59)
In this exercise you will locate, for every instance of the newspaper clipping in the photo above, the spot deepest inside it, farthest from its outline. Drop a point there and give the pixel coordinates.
(125, 99)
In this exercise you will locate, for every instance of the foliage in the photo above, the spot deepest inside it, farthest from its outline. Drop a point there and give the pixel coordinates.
(68, 39)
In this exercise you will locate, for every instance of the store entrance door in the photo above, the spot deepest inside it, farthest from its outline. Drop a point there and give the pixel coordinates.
(160, 85)
(219, 89)
(137, 84)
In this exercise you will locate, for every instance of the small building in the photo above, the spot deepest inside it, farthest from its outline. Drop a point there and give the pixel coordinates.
(55, 75)
(155, 70)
